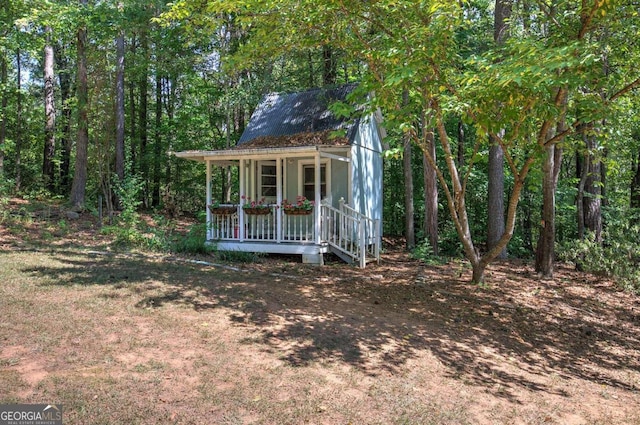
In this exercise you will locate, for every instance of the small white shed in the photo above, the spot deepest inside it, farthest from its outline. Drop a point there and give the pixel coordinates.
(309, 182)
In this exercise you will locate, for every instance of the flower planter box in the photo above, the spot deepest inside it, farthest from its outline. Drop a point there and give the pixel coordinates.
(257, 211)
(222, 210)
(296, 211)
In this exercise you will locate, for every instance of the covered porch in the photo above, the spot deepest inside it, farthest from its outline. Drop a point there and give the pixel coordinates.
(321, 174)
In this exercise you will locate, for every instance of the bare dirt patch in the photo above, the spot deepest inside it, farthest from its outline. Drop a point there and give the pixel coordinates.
(143, 339)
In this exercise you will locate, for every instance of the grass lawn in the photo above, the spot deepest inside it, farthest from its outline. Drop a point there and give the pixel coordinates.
(146, 339)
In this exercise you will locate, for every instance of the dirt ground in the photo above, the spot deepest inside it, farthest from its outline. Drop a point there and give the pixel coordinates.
(122, 337)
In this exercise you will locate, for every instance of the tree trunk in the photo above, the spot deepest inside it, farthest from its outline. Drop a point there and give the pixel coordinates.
(592, 206)
(48, 172)
(457, 205)
(120, 157)
(635, 185)
(157, 143)
(455, 196)
(19, 129)
(545, 250)
(526, 14)
(527, 222)
(3, 113)
(501, 16)
(456, 199)
(240, 120)
(329, 70)
(133, 125)
(477, 272)
(460, 156)
(409, 224)
(582, 178)
(430, 194)
(142, 117)
(66, 143)
(226, 172)
(170, 109)
(495, 194)
(78, 187)
(311, 70)
(603, 180)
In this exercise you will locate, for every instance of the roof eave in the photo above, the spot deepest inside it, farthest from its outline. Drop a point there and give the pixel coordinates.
(236, 154)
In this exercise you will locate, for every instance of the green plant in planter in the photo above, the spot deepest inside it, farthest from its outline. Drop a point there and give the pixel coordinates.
(301, 204)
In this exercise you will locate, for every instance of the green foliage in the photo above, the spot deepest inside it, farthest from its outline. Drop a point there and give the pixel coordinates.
(124, 237)
(158, 238)
(424, 253)
(63, 226)
(449, 244)
(618, 257)
(231, 52)
(6, 186)
(237, 256)
(127, 228)
(4, 211)
(194, 242)
(128, 192)
(139, 235)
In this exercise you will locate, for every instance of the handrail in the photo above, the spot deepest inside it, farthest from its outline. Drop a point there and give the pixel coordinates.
(351, 232)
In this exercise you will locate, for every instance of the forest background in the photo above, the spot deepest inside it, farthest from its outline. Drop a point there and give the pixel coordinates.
(512, 125)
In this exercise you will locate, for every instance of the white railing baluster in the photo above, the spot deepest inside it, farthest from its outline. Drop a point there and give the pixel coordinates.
(344, 228)
(300, 228)
(351, 232)
(223, 226)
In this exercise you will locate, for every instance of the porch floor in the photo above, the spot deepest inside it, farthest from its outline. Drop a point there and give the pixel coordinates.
(303, 248)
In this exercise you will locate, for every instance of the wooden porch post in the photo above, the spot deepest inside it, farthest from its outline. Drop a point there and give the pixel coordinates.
(208, 202)
(279, 214)
(350, 182)
(252, 189)
(241, 174)
(318, 195)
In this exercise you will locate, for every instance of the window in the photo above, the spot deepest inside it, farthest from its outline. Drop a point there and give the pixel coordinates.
(309, 182)
(268, 180)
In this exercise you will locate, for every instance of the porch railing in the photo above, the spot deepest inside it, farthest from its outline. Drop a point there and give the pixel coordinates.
(297, 228)
(351, 233)
(260, 227)
(225, 225)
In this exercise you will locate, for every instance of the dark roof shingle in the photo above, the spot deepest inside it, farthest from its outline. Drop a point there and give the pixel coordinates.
(298, 119)
(322, 138)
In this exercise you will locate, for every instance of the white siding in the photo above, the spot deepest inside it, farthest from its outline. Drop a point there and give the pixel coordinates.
(367, 170)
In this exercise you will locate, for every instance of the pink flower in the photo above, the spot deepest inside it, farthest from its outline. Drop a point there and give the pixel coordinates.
(301, 203)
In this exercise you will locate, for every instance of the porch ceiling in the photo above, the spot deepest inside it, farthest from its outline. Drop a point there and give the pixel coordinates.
(231, 156)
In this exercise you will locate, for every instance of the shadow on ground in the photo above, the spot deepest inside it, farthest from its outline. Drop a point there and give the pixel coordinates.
(515, 333)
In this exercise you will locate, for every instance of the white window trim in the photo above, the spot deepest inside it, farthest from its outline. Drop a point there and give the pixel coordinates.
(306, 162)
(269, 199)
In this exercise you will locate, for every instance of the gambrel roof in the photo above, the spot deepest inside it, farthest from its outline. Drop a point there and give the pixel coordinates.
(299, 119)
(292, 124)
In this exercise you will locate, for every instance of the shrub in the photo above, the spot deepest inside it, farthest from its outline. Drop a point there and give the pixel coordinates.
(618, 257)
(424, 253)
(194, 242)
(128, 228)
(238, 256)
